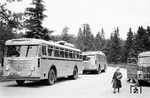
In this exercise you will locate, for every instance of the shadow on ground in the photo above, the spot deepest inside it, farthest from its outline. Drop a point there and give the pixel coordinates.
(36, 84)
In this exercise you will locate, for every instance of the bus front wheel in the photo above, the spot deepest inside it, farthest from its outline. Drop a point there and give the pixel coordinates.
(51, 77)
(20, 82)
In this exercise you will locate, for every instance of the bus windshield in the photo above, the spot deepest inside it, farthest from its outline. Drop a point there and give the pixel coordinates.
(144, 60)
(21, 50)
(90, 58)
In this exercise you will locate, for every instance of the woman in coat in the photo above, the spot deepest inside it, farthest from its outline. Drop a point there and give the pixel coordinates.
(116, 80)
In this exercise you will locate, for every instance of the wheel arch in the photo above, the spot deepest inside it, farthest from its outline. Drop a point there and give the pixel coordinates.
(53, 67)
(76, 68)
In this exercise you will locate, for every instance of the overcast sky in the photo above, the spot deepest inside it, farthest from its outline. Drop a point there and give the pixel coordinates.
(107, 14)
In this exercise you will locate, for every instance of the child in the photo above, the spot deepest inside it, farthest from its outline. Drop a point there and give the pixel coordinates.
(116, 80)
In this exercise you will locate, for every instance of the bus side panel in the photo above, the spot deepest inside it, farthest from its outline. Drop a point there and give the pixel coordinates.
(101, 61)
(60, 65)
(72, 64)
(80, 67)
(63, 67)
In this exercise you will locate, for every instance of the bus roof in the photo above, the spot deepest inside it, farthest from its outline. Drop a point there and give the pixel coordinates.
(93, 53)
(147, 53)
(32, 41)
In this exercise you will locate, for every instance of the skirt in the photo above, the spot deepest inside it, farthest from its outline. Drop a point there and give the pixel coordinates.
(117, 84)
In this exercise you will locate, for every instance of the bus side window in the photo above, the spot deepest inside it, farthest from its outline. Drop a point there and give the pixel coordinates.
(61, 53)
(44, 50)
(73, 55)
(78, 56)
(70, 54)
(56, 52)
(50, 51)
(66, 53)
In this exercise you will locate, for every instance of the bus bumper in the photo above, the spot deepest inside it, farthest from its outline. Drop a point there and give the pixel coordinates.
(20, 78)
(144, 79)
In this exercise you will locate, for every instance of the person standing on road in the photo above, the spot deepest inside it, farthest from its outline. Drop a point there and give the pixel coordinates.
(116, 80)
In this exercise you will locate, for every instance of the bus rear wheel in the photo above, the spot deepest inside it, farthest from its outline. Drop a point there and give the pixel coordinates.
(104, 68)
(75, 74)
(141, 82)
(99, 70)
(51, 77)
(20, 82)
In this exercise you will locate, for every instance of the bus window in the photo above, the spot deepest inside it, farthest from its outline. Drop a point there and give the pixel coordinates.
(73, 55)
(70, 54)
(13, 51)
(61, 53)
(22, 51)
(84, 57)
(66, 53)
(50, 51)
(43, 50)
(31, 51)
(78, 56)
(56, 52)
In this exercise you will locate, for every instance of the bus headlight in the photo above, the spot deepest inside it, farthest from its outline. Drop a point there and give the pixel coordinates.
(140, 74)
(7, 68)
(29, 73)
(32, 68)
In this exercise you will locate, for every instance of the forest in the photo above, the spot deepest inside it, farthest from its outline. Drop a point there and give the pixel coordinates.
(116, 49)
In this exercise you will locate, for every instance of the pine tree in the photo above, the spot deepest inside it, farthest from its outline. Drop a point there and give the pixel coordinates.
(100, 41)
(114, 51)
(88, 38)
(141, 41)
(34, 21)
(85, 39)
(129, 45)
(148, 38)
(79, 42)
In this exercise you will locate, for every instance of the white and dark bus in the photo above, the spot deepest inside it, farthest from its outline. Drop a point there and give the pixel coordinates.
(34, 59)
(94, 61)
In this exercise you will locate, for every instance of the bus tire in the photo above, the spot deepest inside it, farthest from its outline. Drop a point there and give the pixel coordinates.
(51, 77)
(84, 72)
(140, 82)
(75, 73)
(104, 68)
(99, 70)
(20, 82)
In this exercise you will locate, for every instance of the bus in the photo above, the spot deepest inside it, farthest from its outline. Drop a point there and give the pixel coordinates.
(28, 59)
(139, 69)
(94, 61)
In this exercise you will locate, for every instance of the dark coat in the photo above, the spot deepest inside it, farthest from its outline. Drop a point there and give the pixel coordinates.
(117, 81)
